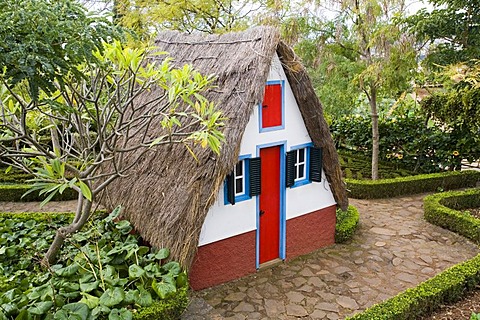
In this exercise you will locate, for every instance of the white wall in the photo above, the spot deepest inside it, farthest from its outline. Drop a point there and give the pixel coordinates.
(224, 221)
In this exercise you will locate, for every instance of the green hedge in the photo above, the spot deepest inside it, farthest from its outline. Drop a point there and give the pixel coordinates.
(347, 222)
(445, 288)
(14, 192)
(443, 209)
(168, 309)
(386, 188)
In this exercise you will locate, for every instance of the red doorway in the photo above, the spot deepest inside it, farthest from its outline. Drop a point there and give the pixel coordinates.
(269, 205)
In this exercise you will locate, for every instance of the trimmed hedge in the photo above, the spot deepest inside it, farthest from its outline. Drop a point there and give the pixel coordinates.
(446, 287)
(347, 222)
(168, 309)
(14, 192)
(386, 188)
(443, 209)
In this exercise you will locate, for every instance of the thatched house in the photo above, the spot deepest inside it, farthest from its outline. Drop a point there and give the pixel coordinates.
(279, 201)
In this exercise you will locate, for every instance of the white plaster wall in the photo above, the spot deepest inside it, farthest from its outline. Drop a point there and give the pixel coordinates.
(224, 221)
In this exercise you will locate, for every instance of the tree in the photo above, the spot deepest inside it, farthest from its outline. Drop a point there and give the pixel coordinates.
(99, 123)
(372, 52)
(44, 40)
(451, 30)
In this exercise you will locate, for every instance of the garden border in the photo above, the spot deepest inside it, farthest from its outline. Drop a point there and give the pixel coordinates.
(14, 193)
(346, 225)
(386, 188)
(448, 286)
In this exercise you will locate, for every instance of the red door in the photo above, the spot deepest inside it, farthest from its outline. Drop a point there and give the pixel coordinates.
(272, 106)
(269, 246)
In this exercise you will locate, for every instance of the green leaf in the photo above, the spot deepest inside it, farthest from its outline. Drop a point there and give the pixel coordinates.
(163, 289)
(182, 280)
(132, 296)
(76, 310)
(87, 193)
(68, 270)
(162, 254)
(87, 287)
(172, 268)
(40, 308)
(112, 297)
(120, 314)
(91, 301)
(145, 298)
(135, 271)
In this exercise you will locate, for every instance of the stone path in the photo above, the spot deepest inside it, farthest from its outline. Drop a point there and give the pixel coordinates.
(394, 249)
(53, 206)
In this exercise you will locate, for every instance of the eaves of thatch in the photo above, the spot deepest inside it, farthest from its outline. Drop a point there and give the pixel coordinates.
(168, 194)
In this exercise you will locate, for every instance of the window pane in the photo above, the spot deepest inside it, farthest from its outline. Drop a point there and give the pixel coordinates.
(301, 155)
(239, 168)
(238, 186)
(301, 171)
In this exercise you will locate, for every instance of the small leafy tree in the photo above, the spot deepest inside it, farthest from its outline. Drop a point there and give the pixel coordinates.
(98, 125)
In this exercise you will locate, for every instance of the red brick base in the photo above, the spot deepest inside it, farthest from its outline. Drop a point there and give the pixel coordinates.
(310, 232)
(234, 257)
(223, 261)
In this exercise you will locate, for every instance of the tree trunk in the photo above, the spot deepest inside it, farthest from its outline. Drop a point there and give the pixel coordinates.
(375, 134)
(83, 212)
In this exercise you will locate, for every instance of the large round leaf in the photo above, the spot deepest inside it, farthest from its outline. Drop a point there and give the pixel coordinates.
(112, 297)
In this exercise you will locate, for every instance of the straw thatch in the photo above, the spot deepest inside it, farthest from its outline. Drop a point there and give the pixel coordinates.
(168, 195)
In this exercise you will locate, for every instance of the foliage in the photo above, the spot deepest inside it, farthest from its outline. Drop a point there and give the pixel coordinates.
(456, 105)
(347, 222)
(386, 188)
(446, 287)
(18, 193)
(408, 140)
(170, 308)
(356, 166)
(104, 121)
(451, 30)
(445, 210)
(42, 41)
(210, 16)
(103, 272)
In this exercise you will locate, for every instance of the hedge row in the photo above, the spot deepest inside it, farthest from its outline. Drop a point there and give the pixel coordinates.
(443, 209)
(347, 222)
(14, 192)
(386, 188)
(445, 288)
(448, 286)
(170, 308)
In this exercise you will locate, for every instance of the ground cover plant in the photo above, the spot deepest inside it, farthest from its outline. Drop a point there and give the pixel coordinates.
(102, 272)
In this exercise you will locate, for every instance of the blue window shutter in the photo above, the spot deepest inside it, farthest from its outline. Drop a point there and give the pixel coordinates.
(231, 188)
(290, 168)
(315, 164)
(255, 176)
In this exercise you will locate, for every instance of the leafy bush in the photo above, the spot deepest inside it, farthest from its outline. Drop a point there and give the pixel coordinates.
(102, 272)
(443, 209)
(16, 193)
(446, 287)
(346, 225)
(408, 139)
(385, 188)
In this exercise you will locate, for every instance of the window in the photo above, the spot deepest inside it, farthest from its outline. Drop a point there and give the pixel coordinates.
(271, 112)
(300, 165)
(244, 181)
(303, 165)
(239, 176)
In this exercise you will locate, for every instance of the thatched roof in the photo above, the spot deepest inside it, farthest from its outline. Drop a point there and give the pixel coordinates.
(168, 195)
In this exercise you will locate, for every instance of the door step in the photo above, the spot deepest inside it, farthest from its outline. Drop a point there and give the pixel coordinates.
(270, 264)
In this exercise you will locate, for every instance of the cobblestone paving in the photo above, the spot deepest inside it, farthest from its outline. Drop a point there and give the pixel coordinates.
(394, 249)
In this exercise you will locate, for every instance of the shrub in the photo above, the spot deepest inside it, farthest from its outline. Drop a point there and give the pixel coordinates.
(102, 272)
(14, 192)
(443, 209)
(446, 287)
(347, 222)
(386, 188)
